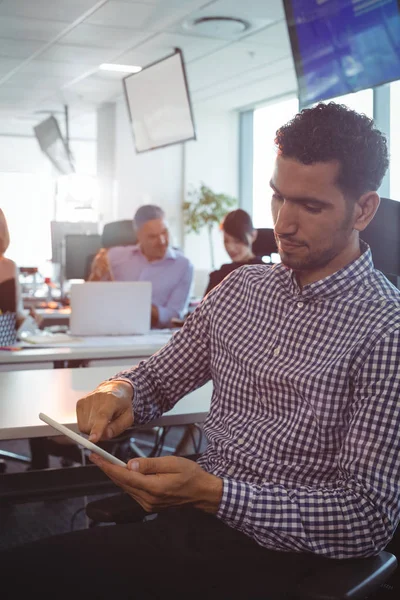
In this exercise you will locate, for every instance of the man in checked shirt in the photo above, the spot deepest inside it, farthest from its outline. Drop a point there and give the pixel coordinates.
(303, 454)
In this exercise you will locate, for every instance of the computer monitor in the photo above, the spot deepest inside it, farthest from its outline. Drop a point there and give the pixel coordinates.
(159, 104)
(80, 249)
(52, 143)
(383, 237)
(343, 46)
(59, 229)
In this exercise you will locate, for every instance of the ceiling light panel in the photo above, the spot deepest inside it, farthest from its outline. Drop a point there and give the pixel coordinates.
(118, 38)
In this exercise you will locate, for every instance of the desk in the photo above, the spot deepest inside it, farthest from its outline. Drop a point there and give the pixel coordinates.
(92, 350)
(55, 392)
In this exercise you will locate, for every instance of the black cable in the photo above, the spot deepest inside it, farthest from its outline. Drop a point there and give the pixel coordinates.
(76, 513)
(162, 440)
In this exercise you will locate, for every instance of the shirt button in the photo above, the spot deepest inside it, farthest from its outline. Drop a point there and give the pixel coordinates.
(277, 350)
(300, 304)
(231, 470)
(240, 441)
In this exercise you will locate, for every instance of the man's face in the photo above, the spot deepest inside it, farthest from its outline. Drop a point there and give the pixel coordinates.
(153, 238)
(313, 221)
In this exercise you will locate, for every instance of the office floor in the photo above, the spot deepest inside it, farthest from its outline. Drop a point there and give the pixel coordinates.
(31, 521)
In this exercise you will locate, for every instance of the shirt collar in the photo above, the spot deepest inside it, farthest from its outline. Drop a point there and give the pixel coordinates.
(338, 283)
(170, 253)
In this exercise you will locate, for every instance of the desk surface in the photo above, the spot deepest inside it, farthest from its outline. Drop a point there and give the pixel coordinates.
(55, 392)
(89, 348)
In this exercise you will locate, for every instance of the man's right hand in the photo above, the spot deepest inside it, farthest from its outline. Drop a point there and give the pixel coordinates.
(107, 411)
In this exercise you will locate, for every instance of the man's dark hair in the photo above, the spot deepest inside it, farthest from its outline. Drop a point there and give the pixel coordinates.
(334, 132)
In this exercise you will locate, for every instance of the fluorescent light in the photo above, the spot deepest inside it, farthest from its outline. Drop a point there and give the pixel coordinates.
(120, 68)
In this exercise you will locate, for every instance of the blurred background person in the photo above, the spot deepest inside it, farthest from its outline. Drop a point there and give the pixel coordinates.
(151, 259)
(10, 290)
(239, 235)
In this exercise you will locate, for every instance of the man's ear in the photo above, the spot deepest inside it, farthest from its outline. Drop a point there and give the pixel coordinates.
(365, 209)
(254, 235)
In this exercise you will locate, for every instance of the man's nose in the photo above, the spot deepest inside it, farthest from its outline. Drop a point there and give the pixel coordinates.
(286, 219)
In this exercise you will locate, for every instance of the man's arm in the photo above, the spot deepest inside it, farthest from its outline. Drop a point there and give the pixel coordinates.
(178, 300)
(153, 387)
(180, 367)
(357, 513)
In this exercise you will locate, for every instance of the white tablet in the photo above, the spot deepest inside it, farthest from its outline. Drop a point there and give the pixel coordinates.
(79, 439)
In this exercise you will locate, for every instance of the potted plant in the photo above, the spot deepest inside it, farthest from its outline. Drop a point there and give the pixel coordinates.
(205, 208)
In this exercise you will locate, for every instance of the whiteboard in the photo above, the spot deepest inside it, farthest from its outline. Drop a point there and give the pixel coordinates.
(159, 104)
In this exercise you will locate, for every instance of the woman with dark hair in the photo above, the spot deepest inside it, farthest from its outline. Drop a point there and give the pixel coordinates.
(239, 235)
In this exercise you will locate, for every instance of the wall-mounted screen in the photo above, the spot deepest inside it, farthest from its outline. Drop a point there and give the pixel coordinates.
(52, 143)
(342, 46)
(159, 104)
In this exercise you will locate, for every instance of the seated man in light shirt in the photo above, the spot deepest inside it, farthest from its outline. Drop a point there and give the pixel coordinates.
(151, 259)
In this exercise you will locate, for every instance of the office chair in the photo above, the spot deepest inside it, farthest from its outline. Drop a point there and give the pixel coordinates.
(116, 233)
(350, 579)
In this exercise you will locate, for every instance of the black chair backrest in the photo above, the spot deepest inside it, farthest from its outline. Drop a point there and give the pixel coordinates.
(383, 237)
(118, 233)
(264, 244)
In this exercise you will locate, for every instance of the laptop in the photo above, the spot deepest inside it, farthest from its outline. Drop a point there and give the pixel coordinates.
(110, 308)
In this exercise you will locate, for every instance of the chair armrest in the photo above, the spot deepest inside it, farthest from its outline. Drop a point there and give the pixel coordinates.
(119, 508)
(352, 579)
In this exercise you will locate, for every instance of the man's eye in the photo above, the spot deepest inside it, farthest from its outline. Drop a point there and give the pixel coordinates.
(277, 198)
(312, 209)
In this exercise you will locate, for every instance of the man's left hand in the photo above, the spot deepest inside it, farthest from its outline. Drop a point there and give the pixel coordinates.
(157, 483)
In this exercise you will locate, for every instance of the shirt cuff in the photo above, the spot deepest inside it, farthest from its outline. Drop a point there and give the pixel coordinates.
(235, 503)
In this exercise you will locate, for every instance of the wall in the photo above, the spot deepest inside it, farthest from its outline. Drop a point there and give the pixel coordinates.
(213, 160)
(22, 155)
(162, 176)
(154, 177)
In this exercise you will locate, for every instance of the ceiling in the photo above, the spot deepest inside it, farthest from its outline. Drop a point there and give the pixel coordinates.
(50, 51)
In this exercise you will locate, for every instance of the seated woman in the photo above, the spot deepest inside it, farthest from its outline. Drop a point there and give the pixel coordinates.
(239, 235)
(10, 292)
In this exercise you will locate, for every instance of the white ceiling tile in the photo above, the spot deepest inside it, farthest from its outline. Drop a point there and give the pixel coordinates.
(229, 62)
(47, 68)
(7, 65)
(118, 38)
(164, 44)
(76, 54)
(30, 29)
(18, 48)
(122, 14)
(252, 9)
(252, 94)
(256, 13)
(274, 35)
(57, 10)
(262, 74)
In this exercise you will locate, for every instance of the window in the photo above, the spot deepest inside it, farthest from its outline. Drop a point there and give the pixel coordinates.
(28, 205)
(362, 101)
(266, 121)
(395, 140)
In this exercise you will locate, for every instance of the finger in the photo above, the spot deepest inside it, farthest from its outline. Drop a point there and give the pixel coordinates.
(120, 424)
(163, 464)
(99, 423)
(123, 475)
